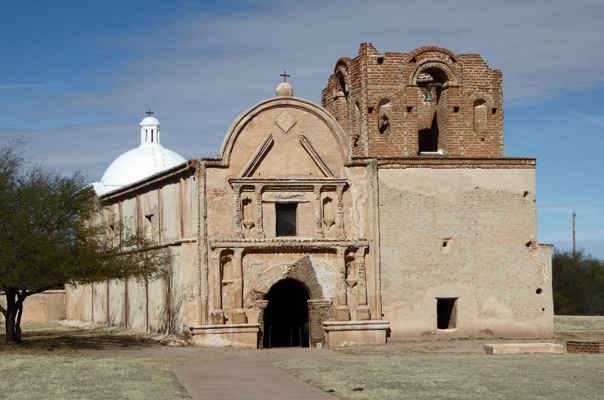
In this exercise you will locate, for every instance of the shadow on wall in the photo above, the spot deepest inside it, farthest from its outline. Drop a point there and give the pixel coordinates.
(41, 307)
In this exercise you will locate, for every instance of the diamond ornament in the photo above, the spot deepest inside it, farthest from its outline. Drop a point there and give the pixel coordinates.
(285, 121)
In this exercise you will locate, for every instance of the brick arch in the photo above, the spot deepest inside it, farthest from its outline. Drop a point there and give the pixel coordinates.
(482, 96)
(444, 67)
(302, 271)
(342, 62)
(427, 49)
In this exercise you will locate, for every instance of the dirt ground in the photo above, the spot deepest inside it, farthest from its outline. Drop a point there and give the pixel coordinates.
(458, 369)
(60, 361)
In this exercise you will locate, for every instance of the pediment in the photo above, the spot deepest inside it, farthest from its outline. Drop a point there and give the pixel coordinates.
(295, 157)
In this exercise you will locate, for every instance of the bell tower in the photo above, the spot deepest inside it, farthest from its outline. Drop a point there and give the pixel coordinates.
(430, 102)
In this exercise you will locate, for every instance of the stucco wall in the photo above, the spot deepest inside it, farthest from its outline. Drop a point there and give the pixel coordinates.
(163, 305)
(41, 307)
(467, 234)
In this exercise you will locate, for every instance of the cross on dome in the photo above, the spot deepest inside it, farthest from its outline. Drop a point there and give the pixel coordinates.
(149, 113)
(284, 75)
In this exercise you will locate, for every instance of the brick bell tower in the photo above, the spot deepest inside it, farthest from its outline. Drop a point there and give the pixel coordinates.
(427, 103)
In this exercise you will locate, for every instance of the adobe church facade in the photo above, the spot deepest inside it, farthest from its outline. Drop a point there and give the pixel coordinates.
(387, 213)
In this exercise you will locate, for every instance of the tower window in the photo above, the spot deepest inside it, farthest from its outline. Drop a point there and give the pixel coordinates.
(286, 218)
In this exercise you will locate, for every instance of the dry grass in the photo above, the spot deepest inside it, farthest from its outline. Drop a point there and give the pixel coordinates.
(578, 322)
(87, 377)
(457, 369)
(59, 362)
(455, 377)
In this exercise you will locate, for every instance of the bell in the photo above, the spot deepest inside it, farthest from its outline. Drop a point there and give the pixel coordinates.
(429, 94)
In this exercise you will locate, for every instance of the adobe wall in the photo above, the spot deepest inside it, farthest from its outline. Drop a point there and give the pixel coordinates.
(167, 214)
(466, 234)
(41, 307)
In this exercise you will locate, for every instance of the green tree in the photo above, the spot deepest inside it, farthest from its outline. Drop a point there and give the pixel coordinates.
(50, 236)
(578, 283)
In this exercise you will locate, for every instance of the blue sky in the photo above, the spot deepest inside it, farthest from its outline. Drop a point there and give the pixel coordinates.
(77, 76)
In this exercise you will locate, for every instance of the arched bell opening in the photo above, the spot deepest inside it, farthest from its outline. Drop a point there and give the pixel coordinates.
(433, 117)
(286, 317)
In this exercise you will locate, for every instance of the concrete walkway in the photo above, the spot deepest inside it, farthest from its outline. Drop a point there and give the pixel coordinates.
(251, 377)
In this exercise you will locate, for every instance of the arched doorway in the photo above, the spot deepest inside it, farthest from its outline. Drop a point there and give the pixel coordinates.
(286, 315)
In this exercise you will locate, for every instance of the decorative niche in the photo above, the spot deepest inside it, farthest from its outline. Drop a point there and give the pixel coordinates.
(248, 213)
(351, 272)
(328, 212)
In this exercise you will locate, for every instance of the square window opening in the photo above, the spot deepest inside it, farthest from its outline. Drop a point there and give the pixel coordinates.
(286, 218)
(446, 313)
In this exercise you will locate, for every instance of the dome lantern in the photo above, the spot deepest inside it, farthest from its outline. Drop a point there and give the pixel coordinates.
(149, 129)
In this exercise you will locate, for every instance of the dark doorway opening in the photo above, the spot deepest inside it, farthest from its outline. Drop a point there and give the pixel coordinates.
(286, 315)
(446, 313)
(428, 138)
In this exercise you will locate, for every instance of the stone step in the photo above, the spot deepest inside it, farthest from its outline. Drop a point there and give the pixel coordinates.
(523, 348)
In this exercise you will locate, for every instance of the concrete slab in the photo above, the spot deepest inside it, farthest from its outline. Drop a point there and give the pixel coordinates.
(251, 377)
(523, 348)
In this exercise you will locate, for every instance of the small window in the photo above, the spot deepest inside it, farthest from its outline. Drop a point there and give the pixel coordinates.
(286, 218)
(446, 313)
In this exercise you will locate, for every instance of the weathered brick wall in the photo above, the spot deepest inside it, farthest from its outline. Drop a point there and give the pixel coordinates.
(401, 78)
(319, 311)
(581, 346)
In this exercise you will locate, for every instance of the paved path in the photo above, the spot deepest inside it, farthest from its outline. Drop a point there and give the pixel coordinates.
(251, 377)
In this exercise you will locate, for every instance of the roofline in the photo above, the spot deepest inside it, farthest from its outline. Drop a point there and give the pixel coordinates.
(149, 180)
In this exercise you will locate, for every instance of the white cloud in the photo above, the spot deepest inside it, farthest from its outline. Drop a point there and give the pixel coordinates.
(201, 66)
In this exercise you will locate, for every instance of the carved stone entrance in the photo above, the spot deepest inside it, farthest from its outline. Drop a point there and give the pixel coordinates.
(286, 322)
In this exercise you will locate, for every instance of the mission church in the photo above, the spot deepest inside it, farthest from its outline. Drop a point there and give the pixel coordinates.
(388, 212)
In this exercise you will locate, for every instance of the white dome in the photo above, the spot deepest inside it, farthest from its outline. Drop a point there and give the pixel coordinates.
(149, 121)
(146, 160)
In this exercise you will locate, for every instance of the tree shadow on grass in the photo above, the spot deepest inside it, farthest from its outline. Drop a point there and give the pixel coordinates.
(44, 341)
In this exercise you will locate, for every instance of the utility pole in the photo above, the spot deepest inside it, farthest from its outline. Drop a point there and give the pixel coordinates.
(574, 236)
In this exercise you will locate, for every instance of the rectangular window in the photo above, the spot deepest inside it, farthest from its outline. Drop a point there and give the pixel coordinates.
(286, 218)
(446, 313)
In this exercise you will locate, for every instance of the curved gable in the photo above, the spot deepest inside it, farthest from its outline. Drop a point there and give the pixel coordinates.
(285, 136)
